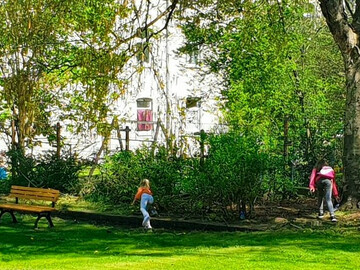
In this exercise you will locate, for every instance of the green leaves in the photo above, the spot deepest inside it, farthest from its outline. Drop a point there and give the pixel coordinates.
(49, 48)
(279, 62)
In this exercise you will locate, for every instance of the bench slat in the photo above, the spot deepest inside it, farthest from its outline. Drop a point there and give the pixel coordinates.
(45, 194)
(34, 193)
(33, 197)
(27, 208)
(54, 191)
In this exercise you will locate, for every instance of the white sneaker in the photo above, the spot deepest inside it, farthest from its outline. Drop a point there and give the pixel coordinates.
(145, 221)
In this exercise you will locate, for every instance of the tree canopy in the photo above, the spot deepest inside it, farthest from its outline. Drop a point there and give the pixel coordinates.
(69, 56)
(282, 72)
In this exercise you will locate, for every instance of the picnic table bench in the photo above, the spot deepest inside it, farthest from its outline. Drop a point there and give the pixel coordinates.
(31, 195)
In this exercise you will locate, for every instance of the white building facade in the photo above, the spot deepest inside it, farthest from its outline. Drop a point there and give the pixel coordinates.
(167, 95)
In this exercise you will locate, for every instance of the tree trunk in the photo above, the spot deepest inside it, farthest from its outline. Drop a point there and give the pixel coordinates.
(352, 131)
(286, 141)
(97, 156)
(346, 36)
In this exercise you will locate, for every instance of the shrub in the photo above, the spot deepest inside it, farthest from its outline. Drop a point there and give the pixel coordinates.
(233, 174)
(118, 178)
(47, 171)
(236, 173)
(122, 172)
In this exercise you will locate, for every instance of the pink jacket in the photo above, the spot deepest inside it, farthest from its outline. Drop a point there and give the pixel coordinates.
(325, 172)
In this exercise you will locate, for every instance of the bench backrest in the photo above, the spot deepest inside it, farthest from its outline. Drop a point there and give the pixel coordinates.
(31, 193)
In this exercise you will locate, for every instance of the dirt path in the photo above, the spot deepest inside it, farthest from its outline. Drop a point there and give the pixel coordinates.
(301, 213)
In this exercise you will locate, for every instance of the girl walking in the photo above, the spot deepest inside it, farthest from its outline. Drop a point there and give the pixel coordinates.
(144, 194)
(322, 179)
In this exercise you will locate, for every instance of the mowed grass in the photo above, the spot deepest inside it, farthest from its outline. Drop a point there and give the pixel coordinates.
(72, 245)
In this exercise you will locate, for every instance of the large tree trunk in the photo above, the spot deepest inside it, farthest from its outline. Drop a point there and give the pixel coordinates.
(346, 36)
(352, 134)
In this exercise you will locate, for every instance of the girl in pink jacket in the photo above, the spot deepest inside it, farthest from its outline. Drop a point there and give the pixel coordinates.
(322, 179)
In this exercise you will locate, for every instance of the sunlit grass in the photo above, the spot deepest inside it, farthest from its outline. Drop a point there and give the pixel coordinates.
(75, 203)
(86, 170)
(72, 245)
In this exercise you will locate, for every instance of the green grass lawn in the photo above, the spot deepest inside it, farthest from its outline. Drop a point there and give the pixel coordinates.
(71, 245)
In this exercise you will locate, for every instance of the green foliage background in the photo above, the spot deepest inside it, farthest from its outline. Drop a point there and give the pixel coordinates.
(48, 171)
(234, 177)
(283, 93)
(281, 68)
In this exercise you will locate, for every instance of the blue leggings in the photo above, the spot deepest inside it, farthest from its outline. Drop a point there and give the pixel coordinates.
(324, 188)
(145, 200)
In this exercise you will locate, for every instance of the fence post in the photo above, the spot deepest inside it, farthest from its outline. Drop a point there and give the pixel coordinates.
(127, 138)
(119, 138)
(58, 140)
(202, 146)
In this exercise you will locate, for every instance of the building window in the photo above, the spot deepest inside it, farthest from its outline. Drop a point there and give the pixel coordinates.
(193, 57)
(144, 114)
(192, 102)
(193, 114)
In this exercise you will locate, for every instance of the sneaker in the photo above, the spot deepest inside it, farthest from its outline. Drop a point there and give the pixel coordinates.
(333, 219)
(145, 221)
(320, 216)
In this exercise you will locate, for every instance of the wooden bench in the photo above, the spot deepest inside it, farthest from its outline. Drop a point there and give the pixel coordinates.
(30, 194)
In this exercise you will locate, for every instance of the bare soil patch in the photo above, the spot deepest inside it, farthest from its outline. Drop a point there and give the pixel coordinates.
(299, 213)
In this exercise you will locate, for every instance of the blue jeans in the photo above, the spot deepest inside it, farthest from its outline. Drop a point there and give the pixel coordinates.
(145, 200)
(324, 188)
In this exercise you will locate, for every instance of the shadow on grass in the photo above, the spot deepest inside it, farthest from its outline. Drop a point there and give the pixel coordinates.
(72, 239)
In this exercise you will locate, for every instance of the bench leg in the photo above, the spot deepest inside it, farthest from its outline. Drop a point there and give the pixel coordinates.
(47, 216)
(10, 212)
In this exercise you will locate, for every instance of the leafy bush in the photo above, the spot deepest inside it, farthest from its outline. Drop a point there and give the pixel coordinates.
(122, 172)
(282, 181)
(5, 186)
(48, 171)
(233, 173)
(236, 173)
(118, 178)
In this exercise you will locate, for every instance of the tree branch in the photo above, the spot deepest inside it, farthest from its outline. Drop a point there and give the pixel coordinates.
(355, 16)
(349, 8)
(342, 31)
(169, 10)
